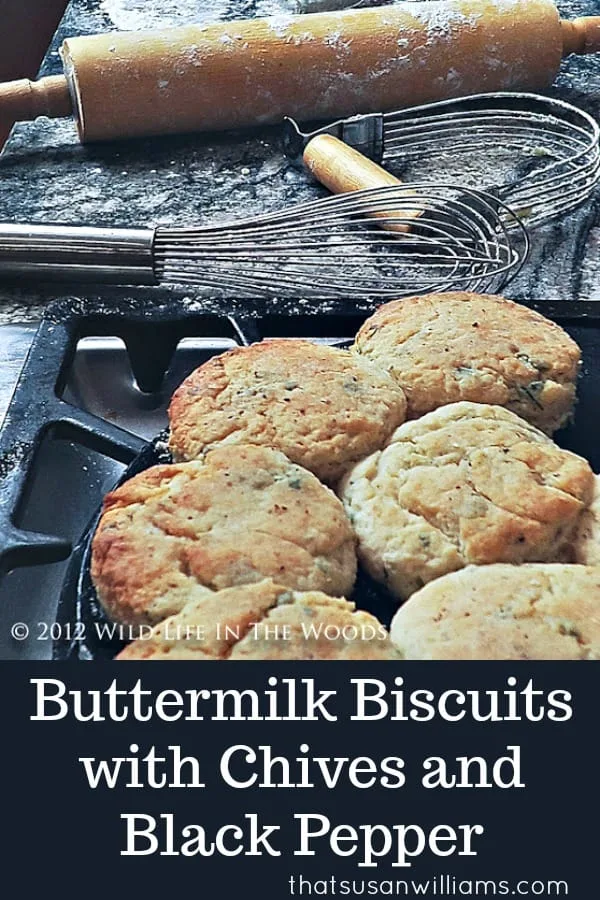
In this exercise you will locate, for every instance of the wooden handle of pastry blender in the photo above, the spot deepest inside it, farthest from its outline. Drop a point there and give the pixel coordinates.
(24, 100)
(342, 169)
(581, 35)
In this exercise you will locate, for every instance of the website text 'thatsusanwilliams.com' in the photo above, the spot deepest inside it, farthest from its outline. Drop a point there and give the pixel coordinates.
(438, 886)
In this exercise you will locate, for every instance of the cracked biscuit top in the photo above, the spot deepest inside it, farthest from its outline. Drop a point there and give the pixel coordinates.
(241, 514)
(266, 621)
(443, 348)
(324, 408)
(586, 541)
(467, 483)
(504, 612)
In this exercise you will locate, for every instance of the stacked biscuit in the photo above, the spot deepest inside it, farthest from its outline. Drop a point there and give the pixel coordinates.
(434, 429)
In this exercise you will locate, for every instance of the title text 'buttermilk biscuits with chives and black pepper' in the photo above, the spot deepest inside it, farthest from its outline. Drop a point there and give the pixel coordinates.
(266, 621)
(443, 348)
(239, 515)
(324, 408)
(467, 483)
(504, 612)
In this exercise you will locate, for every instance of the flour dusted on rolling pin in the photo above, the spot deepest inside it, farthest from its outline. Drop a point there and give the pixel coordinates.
(321, 66)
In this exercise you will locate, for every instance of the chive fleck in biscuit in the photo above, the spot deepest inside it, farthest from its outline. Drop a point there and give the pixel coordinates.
(324, 408)
(586, 544)
(266, 621)
(467, 483)
(443, 348)
(241, 514)
(504, 612)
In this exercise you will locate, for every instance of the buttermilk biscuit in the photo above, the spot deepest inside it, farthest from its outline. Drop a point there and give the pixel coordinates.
(504, 612)
(324, 408)
(266, 621)
(467, 483)
(443, 348)
(241, 514)
(586, 544)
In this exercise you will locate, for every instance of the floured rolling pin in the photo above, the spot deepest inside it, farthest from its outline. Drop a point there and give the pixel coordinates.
(320, 66)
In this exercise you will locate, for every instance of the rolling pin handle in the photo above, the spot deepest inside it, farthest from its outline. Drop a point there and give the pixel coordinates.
(342, 168)
(24, 100)
(581, 35)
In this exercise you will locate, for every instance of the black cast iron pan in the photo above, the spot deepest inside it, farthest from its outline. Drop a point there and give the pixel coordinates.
(90, 635)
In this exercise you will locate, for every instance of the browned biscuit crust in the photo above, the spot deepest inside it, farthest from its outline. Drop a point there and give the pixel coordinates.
(266, 621)
(324, 408)
(586, 543)
(504, 612)
(237, 516)
(467, 483)
(443, 348)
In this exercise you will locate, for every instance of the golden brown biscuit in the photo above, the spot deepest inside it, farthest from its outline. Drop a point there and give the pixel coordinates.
(586, 543)
(504, 612)
(324, 408)
(467, 483)
(237, 516)
(266, 621)
(443, 348)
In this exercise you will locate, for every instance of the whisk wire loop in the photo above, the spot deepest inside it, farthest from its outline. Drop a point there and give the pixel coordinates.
(556, 145)
(380, 243)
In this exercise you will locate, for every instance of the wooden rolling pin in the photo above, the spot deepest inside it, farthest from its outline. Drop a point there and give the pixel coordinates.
(319, 66)
(342, 169)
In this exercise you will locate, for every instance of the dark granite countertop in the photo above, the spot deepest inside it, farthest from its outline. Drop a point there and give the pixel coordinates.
(46, 175)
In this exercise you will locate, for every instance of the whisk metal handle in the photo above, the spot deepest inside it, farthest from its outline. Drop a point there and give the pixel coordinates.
(78, 253)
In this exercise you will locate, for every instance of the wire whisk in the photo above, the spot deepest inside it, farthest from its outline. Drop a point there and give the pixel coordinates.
(380, 243)
(556, 145)
(539, 156)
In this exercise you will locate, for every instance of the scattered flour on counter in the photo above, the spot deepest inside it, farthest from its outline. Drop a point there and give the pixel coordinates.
(511, 4)
(126, 14)
(265, 8)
